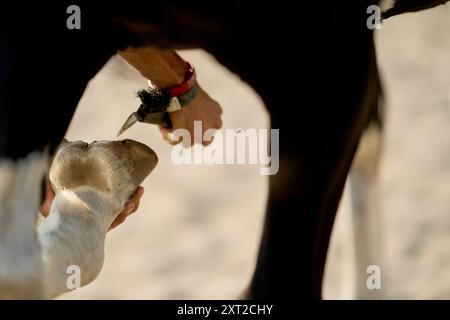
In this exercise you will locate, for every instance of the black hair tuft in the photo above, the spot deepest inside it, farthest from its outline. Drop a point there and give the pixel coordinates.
(153, 100)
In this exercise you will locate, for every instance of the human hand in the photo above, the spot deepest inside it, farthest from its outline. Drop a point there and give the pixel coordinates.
(130, 207)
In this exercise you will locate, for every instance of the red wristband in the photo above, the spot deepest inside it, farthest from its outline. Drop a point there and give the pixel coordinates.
(186, 85)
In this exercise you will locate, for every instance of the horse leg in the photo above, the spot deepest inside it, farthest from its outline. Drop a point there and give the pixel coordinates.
(34, 116)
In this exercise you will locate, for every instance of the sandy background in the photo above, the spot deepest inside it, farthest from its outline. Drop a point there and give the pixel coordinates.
(198, 228)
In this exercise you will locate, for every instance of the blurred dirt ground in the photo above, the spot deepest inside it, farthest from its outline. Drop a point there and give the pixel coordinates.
(196, 233)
